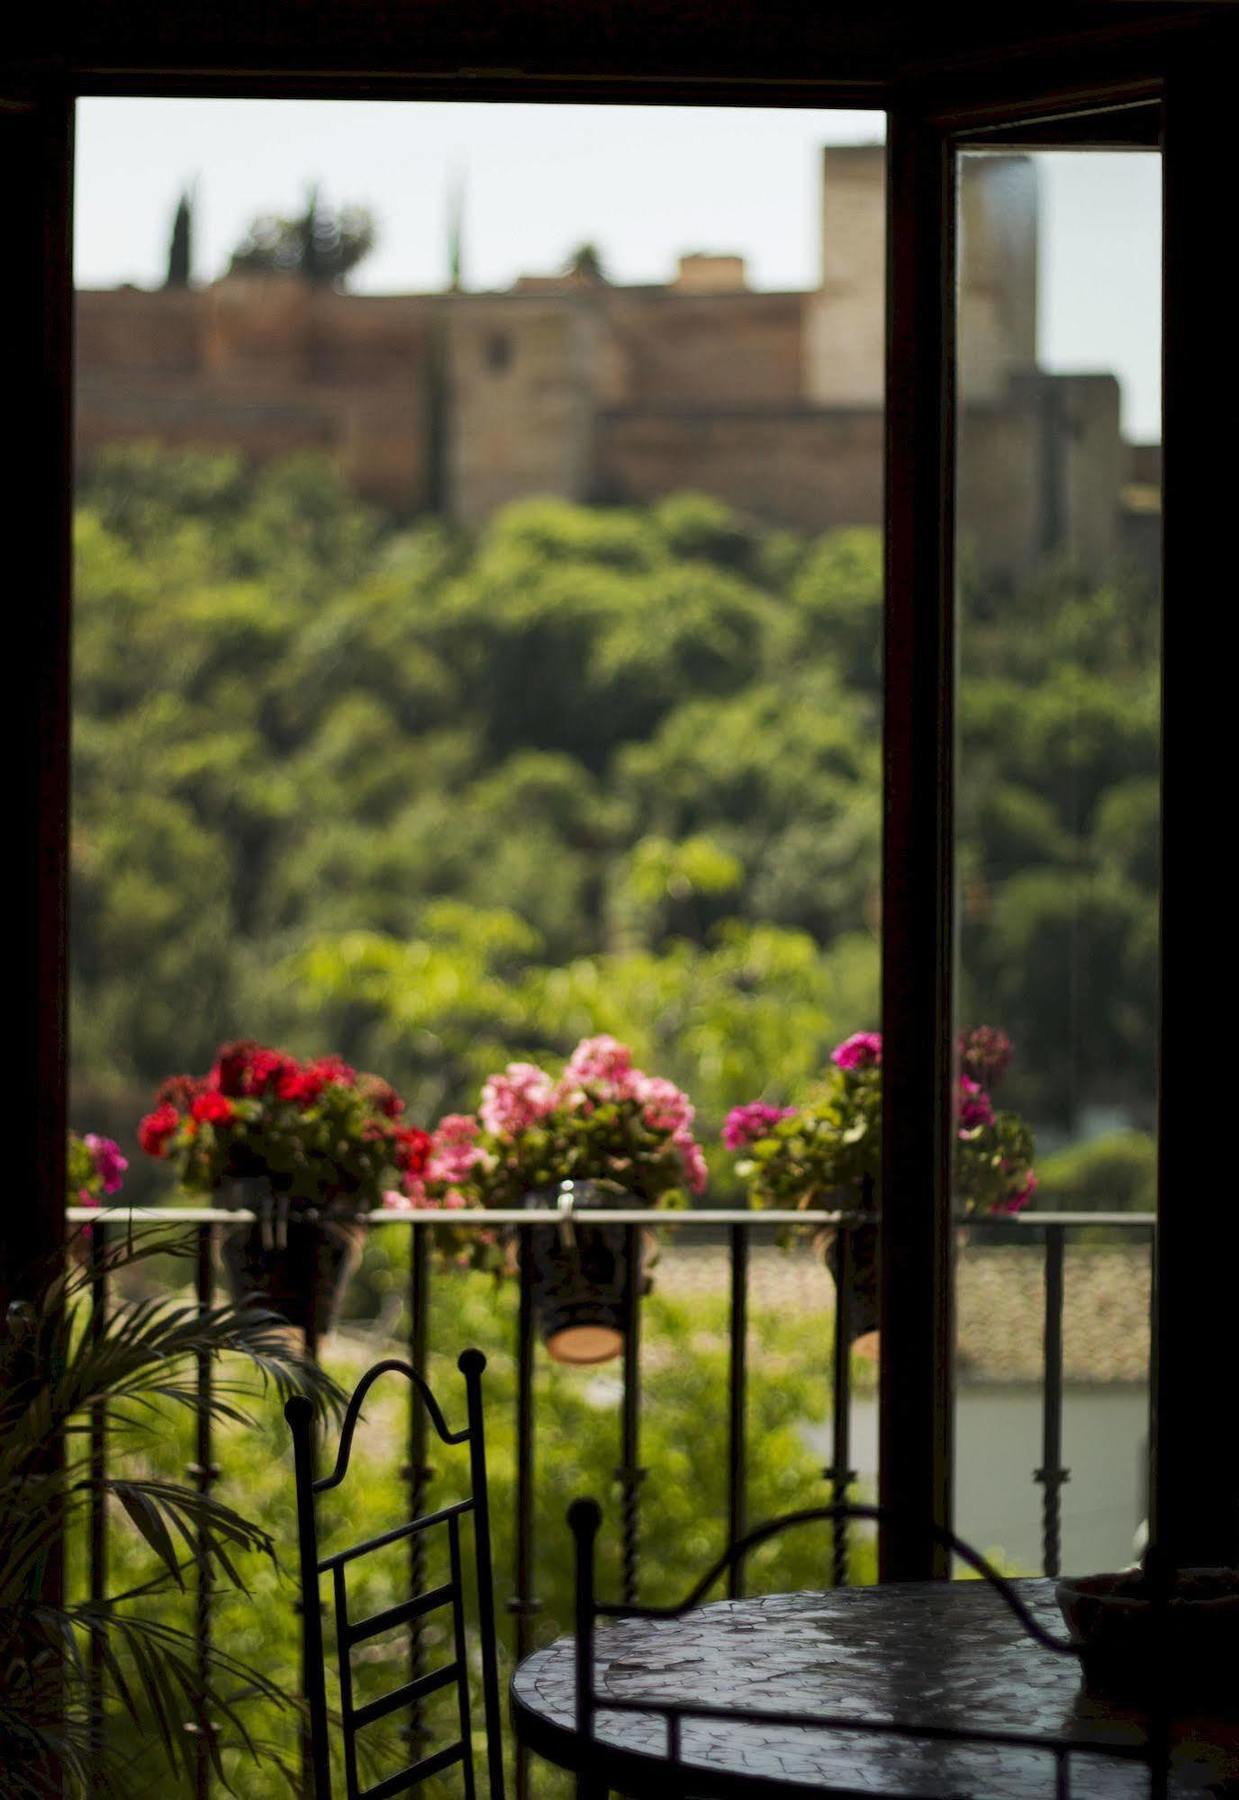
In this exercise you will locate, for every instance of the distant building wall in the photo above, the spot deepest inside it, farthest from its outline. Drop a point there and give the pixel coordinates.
(807, 468)
(570, 386)
(1040, 476)
(520, 402)
(128, 332)
(266, 365)
(711, 349)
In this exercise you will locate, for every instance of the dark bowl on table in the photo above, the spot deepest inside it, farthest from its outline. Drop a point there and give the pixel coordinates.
(1135, 1642)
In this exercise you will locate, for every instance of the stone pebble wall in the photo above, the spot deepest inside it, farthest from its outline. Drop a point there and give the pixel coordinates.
(999, 1298)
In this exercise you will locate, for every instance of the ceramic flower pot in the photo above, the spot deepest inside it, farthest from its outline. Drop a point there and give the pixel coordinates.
(1132, 1642)
(582, 1274)
(293, 1264)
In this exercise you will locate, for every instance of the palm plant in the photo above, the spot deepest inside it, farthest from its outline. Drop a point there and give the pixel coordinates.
(130, 1365)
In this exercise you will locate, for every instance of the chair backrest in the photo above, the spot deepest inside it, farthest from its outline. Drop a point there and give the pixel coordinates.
(350, 1632)
(585, 1519)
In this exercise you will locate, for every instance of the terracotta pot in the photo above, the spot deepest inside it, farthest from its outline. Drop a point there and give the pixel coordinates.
(582, 1274)
(289, 1260)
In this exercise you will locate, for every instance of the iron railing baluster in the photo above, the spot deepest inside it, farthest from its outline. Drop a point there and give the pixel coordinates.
(416, 1471)
(630, 1472)
(1062, 1774)
(311, 1631)
(840, 1474)
(1052, 1474)
(737, 1394)
(523, 1604)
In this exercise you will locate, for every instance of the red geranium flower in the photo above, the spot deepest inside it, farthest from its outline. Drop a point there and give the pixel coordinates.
(212, 1109)
(157, 1127)
(382, 1096)
(412, 1149)
(232, 1066)
(332, 1069)
(300, 1085)
(263, 1074)
(180, 1091)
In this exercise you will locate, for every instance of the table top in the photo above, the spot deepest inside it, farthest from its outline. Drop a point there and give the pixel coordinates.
(944, 1653)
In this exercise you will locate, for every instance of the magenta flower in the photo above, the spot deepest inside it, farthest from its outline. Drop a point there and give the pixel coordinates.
(863, 1050)
(745, 1124)
(110, 1165)
(1019, 1200)
(975, 1106)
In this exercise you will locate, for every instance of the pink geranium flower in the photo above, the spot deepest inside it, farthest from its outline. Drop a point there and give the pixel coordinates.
(1019, 1200)
(413, 1197)
(603, 1065)
(745, 1124)
(975, 1106)
(985, 1054)
(110, 1165)
(863, 1050)
(696, 1173)
(664, 1106)
(517, 1099)
(455, 1152)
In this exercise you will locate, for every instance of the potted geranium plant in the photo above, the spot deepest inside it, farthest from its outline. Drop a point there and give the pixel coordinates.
(94, 1168)
(600, 1134)
(94, 1171)
(309, 1147)
(828, 1151)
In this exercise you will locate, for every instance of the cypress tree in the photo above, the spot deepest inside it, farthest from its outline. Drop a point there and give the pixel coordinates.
(456, 236)
(180, 244)
(312, 235)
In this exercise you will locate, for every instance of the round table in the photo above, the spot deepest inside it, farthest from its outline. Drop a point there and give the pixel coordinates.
(946, 1653)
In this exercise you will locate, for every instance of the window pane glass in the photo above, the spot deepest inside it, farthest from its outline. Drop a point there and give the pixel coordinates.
(477, 651)
(1058, 547)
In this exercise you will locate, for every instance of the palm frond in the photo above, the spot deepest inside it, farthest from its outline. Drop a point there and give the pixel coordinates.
(64, 1367)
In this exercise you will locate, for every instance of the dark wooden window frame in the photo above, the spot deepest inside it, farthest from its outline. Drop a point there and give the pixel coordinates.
(1089, 69)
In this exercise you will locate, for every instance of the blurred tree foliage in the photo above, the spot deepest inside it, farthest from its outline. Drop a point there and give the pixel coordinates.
(436, 801)
(322, 244)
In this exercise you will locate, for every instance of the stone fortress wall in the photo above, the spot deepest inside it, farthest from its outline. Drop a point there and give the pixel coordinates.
(574, 387)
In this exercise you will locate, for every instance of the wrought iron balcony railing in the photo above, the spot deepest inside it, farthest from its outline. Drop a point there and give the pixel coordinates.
(1049, 1230)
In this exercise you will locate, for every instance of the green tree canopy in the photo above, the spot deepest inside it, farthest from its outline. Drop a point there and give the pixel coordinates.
(438, 800)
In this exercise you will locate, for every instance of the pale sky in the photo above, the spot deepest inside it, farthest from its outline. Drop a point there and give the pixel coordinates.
(643, 183)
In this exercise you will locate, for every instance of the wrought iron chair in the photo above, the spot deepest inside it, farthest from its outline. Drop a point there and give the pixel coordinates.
(350, 1632)
(585, 1518)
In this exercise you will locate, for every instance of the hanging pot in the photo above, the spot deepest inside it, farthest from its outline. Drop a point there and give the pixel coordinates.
(854, 1271)
(852, 1258)
(290, 1260)
(583, 1275)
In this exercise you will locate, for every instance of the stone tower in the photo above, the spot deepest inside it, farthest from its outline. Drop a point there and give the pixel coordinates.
(845, 321)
